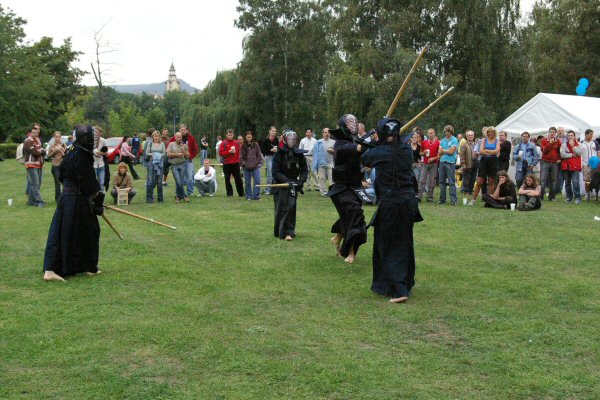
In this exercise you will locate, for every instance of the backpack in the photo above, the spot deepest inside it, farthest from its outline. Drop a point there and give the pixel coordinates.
(20, 156)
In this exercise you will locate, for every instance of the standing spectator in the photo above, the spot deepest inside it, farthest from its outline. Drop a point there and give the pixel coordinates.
(466, 162)
(323, 161)
(570, 152)
(447, 170)
(56, 152)
(230, 151)
(217, 147)
(470, 137)
(135, 147)
(489, 148)
(505, 149)
(100, 151)
(589, 149)
(562, 136)
(504, 195)
(33, 155)
(268, 149)
(290, 167)
(206, 179)
(154, 154)
(251, 159)
(69, 140)
(429, 151)
(178, 152)
(127, 156)
(416, 149)
(307, 144)
(164, 137)
(122, 180)
(526, 157)
(550, 164)
(203, 149)
(190, 142)
(529, 194)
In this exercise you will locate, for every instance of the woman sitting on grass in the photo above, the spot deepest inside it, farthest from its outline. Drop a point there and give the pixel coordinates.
(504, 194)
(122, 180)
(529, 194)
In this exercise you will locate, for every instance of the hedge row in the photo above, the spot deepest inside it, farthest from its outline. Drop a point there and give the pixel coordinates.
(8, 150)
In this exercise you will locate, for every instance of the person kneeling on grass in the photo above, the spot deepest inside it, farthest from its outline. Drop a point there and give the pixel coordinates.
(529, 194)
(206, 179)
(289, 167)
(122, 180)
(504, 194)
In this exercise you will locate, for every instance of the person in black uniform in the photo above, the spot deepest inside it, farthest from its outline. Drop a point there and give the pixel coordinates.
(350, 228)
(398, 210)
(73, 240)
(289, 166)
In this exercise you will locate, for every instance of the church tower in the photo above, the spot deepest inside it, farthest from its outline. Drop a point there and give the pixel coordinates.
(172, 83)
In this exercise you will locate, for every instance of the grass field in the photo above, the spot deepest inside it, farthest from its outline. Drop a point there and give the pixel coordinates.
(506, 306)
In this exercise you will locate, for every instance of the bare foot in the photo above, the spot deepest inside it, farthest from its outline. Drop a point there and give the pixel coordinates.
(337, 240)
(350, 258)
(399, 299)
(52, 276)
(288, 238)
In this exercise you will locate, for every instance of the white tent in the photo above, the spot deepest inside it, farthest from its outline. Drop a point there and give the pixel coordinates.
(545, 110)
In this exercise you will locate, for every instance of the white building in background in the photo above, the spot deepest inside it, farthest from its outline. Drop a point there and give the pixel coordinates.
(172, 83)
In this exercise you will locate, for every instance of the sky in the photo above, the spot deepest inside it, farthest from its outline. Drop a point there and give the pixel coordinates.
(198, 36)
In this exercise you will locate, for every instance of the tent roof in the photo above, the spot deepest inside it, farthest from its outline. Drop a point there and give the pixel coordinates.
(545, 110)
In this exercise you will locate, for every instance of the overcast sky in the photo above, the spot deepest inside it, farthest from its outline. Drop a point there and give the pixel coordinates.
(198, 36)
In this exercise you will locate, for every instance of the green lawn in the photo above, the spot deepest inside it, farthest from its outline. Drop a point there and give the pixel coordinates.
(506, 306)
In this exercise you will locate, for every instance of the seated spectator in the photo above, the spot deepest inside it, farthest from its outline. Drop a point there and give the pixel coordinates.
(206, 179)
(122, 180)
(504, 194)
(530, 194)
(369, 185)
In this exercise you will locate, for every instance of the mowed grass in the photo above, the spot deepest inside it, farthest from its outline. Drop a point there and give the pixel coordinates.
(506, 306)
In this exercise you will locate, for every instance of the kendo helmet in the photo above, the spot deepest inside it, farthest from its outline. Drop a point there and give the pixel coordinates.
(348, 124)
(290, 138)
(387, 127)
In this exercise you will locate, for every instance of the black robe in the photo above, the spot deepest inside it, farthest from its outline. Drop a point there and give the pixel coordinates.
(73, 240)
(347, 178)
(288, 167)
(398, 210)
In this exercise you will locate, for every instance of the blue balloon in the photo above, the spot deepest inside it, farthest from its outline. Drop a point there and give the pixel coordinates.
(584, 82)
(594, 162)
(580, 90)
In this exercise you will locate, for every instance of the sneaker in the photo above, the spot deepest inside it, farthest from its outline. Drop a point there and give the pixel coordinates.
(165, 184)
(452, 203)
(176, 199)
(186, 200)
(578, 201)
(441, 202)
(199, 195)
(211, 195)
(472, 202)
(569, 200)
(429, 200)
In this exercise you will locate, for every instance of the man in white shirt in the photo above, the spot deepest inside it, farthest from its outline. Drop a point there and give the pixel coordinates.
(589, 149)
(308, 143)
(100, 150)
(206, 179)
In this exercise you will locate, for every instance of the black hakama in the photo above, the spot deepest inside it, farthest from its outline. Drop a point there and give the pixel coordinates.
(285, 213)
(73, 239)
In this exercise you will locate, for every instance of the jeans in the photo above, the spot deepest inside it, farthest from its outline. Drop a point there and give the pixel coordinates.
(204, 187)
(252, 192)
(34, 179)
(189, 165)
(560, 181)
(571, 179)
(549, 175)
(427, 178)
(416, 169)
(100, 175)
(56, 175)
(153, 178)
(269, 163)
(180, 176)
(447, 172)
(203, 155)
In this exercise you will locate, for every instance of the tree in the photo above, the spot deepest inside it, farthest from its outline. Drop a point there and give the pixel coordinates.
(156, 118)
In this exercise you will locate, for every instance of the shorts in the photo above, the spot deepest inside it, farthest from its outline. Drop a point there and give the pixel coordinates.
(488, 167)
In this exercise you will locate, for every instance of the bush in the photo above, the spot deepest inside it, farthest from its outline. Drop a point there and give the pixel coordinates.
(8, 150)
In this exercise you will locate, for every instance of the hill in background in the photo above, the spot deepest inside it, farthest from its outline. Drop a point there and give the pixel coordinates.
(152, 88)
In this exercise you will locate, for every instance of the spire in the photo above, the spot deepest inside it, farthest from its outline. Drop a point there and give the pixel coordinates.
(172, 83)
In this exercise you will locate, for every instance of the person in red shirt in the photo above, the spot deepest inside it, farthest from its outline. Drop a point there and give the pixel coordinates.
(571, 167)
(230, 151)
(33, 154)
(429, 152)
(188, 139)
(550, 163)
